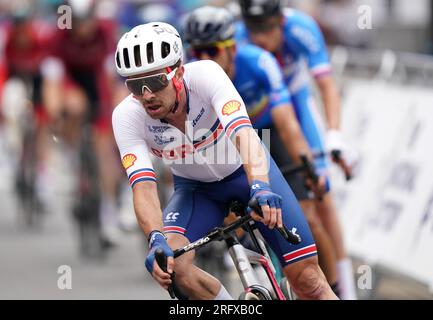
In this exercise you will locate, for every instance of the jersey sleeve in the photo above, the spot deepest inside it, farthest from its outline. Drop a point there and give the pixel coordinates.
(311, 43)
(133, 148)
(225, 100)
(273, 80)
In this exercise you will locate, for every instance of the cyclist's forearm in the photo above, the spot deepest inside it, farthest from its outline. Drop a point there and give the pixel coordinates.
(253, 154)
(147, 207)
(290, 132)
(331, 101)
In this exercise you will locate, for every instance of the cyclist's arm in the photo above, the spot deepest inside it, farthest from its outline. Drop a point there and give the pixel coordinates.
(310, 41)
(252, 154)
(331, 100)
(147, 206)
(136, 161)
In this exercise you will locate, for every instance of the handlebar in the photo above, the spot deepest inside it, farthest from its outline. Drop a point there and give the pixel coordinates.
(286, 233)
(308, 167)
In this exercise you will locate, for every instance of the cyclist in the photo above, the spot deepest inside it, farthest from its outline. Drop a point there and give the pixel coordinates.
(24, 48)
(79, 87)
(295, 40)
(192, 117)
(258, 79)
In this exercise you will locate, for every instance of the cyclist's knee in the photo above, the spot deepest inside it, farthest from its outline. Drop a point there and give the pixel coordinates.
(307, 279)
(326, 207)
(75, 103)
(184, 262)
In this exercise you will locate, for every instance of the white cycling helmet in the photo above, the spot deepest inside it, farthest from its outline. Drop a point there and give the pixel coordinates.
(148, 47)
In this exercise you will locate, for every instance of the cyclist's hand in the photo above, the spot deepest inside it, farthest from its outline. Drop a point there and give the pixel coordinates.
(318, 187)
(339, 151)
(270, 203)
(158, 240)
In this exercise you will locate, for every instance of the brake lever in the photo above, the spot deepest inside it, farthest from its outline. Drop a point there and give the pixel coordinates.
(287, 234)
(336, 156)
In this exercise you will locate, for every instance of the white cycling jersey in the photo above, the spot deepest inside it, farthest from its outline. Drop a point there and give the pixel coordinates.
(215, 111)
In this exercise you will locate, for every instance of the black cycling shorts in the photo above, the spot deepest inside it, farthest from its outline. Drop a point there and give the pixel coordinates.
(282, 158)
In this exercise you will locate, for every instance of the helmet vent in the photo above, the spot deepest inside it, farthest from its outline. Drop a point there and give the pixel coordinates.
(165, 49)
(149, 51)
(208, 28)
(126, 58)
(118, 60)
(218, 28)
(137, 56)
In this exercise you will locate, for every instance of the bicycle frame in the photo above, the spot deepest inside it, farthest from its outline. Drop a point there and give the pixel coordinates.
(244, 259)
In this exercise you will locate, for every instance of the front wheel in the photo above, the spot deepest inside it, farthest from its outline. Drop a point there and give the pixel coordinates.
(255, 292)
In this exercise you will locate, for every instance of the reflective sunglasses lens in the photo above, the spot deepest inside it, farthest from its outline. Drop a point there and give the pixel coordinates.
(153, 83)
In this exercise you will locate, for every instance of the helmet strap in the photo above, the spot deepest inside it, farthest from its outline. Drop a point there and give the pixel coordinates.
(178, 87)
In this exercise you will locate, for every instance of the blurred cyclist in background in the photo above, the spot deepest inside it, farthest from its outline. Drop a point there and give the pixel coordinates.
(25, 42)
(297, 43)
(79, 83)
(258, 79)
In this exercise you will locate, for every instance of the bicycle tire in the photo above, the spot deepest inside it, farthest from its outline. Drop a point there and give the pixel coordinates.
(25, 183)
(255, 292)
(86, 210)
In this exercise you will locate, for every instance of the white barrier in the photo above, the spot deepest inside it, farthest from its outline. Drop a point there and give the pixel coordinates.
(387, 210)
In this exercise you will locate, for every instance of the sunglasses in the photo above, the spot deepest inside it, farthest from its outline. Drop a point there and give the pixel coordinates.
(153, 83)
(212, 49)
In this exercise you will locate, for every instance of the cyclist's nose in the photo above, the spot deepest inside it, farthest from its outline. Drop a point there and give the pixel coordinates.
(147, 94)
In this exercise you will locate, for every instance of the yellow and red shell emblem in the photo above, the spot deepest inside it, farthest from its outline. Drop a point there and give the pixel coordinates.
(231, 107)
(128, 160)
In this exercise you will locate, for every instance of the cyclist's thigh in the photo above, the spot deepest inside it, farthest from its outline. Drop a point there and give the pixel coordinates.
(86, 84)
(192, 214)
(293, 218)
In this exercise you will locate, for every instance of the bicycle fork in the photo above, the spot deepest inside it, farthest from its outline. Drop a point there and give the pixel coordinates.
(244, 261)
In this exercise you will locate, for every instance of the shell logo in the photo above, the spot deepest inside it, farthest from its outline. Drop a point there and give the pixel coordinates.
(128, 160)
(231, 107)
